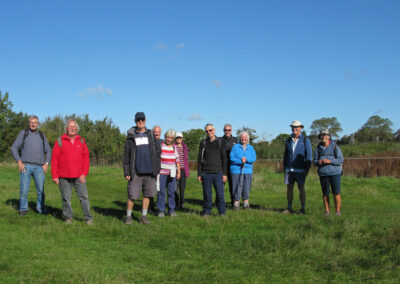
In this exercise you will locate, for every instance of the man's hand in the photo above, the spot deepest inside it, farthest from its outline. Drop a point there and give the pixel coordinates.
(327, 161)
(56, 180)
(21, 166)
(82, 179)
(305, 173)
(128, 177)
(224, 178)
(45, 166)
(199, 178)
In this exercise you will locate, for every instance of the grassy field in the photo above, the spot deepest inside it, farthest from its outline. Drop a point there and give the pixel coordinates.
(256, 246)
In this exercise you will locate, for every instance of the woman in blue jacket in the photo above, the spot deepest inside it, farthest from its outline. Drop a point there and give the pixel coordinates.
(329, 160)
(242, 158)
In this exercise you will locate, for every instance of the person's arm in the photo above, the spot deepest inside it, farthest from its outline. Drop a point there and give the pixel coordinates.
(316, 156)
(47, 153)
(235, 158)
(308, 161)
(126, 161)
(54, 162)
(285, 157)
(224, 159)
(250, 155)
(338, 160)
(199, 162)
(86, 162)
(15, 150)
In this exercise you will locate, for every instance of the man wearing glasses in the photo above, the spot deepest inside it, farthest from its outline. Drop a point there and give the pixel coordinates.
(212, 170)
(141, 165)
(229, 141)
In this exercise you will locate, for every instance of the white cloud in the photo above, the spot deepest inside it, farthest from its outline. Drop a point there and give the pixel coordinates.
(161, 46)
(98, 92)
(217, 83)
(180, 45)
(195, 116)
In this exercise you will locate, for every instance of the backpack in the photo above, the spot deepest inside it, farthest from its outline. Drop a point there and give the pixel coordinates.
(59, 141)
(26, 133)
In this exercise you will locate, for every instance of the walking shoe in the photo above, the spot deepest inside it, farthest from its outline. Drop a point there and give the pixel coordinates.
(246, 207)
(23, 213)
(173, 214)
(144, 220)
(68, 221)
(89, 222)
(338, 213)
(128, 220)
(326, 214)
(287, 211)
(235, 208)
(302, 211)
(223, 215)
(205, 216)
(160, 214)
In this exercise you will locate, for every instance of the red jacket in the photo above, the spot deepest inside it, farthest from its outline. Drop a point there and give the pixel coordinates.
(70, 160)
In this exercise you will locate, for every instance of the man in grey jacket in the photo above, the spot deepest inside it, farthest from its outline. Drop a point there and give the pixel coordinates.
(32, 152)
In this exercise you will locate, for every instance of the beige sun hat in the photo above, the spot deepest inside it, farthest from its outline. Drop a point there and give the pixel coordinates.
(296, 123)
(323, 132)
(179, 135)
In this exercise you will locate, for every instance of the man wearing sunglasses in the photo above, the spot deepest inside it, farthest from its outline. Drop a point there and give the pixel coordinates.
(229, 141)
(212, 170)
(141, 165)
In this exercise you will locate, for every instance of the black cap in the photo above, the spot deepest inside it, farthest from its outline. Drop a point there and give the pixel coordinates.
(139, 115)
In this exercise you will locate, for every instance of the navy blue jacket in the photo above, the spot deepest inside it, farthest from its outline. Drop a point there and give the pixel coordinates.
(299, 160)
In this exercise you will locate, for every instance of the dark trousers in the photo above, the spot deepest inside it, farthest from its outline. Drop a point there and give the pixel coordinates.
(209, 180)
(181, 186)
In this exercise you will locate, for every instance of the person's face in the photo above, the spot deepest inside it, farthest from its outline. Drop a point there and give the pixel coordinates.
(169, 140)
(157, 132)
(178, 140)
(244, 139)
(296, 131)
(33, 124)
(72, 130)
(140, 122)
(325, 138)
(210, 130)
(228, 131)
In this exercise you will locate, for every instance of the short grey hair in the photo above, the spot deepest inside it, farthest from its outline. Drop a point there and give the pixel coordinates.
(227, 124)
(76, 124)
(170, 133)
(156, 126)
(31, 117)
(209, 124)
(244, 133)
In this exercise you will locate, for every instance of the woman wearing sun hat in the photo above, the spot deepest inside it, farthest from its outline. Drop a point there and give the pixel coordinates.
(329, 159)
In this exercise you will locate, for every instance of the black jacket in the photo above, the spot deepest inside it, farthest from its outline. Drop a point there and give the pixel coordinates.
(130, 153)
(216, 163)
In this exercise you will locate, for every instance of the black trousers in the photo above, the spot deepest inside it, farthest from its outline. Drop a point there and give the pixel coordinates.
(181, 186)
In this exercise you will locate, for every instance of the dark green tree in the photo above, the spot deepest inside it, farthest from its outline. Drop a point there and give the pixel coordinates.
(330, 123)
(376, 129)
(192, 138)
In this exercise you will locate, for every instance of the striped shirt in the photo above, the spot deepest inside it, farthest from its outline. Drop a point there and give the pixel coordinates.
(181, 156)
(169, 158)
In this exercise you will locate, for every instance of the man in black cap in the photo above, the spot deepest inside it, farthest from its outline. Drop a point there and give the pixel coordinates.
(141, 166)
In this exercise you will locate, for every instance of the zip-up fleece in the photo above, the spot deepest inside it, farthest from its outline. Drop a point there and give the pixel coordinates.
(70, 160)
(130, 153)
(301, 158)
(335, 167)
(236, 155)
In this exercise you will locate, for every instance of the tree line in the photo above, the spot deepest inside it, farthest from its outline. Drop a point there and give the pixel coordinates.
(106, 142)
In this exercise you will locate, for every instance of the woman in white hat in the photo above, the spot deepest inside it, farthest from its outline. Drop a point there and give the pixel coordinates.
(297, 160)
(329, 159)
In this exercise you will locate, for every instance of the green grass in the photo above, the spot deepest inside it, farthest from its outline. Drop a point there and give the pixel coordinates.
(256, 246)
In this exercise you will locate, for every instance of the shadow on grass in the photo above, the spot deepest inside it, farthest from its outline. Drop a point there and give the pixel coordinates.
(53, 211)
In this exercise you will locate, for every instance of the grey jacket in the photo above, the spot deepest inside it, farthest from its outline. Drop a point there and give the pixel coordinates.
(35, 150)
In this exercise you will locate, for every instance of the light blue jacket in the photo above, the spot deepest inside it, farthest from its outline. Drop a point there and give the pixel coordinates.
(333, 154)
(237, 153)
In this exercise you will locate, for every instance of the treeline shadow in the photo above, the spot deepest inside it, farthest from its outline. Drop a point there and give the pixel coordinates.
(53, 211)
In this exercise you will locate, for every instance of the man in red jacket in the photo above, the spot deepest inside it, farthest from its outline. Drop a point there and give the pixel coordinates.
(69, 167)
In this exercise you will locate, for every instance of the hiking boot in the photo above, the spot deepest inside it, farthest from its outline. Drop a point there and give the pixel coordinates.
(144, 220)
(68, 221)
(338, 213)
(235, 208)
(23, 213)
(326, 214)
(173, 214)
(302, 211)
(89, 222)
(128, 220)
(205, 216)
(223, 215)
(161, 215)
(287, 211)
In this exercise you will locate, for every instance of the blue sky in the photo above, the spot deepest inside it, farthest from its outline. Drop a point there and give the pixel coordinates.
(185, 63)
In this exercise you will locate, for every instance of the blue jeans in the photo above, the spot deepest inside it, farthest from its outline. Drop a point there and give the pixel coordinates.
(241, 186)
(208, 180)
(169, 183)
(25, 179)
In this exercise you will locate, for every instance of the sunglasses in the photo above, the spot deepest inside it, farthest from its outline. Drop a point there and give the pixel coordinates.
(140, 119)
(227, 129)
(210, 130)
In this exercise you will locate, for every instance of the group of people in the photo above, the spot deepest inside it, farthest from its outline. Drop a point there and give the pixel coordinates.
(154, 165)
